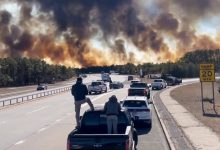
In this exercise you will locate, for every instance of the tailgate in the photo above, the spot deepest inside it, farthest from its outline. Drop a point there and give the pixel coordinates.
(100, 142)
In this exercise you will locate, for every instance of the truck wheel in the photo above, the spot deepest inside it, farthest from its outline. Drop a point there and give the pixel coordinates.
(90, 93)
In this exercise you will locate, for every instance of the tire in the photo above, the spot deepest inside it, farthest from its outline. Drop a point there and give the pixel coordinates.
(150, 125)
(90, 93)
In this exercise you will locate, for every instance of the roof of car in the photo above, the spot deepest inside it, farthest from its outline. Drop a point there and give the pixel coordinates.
(136, 98)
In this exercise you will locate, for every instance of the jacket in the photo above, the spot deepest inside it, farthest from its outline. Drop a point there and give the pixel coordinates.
(79, 91)
(112, 107)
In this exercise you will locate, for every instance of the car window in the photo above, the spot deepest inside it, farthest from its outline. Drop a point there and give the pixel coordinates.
(134, 103)
(97, 118)
(158, 81)
(143, 85)
(136, 92)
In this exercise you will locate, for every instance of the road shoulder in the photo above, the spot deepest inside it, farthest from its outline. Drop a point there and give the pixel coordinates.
(200, 136)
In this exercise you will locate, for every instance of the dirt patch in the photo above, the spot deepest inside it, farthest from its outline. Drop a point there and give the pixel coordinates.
(190, 97)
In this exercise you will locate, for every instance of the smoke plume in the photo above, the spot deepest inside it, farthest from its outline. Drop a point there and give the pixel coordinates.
(104, 32)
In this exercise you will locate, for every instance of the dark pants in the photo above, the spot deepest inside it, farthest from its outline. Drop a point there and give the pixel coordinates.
(112, 121)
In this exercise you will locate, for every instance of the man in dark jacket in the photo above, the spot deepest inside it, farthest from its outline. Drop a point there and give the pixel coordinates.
(79, 91)
(112, 108)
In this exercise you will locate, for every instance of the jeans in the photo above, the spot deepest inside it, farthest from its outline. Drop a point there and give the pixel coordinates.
(112, 121)
(78, 107)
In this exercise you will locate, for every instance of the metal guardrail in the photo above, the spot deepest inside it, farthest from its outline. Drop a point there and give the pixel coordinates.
(29, 97)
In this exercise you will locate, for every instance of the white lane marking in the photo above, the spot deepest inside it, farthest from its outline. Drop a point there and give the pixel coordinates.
(58, 120)
(42, 129)
(20, 142)
(3, 122)
(69, 114)
(39, 109)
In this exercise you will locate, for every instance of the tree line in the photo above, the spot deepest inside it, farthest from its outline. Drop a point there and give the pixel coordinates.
(185, 67)
(28, 71)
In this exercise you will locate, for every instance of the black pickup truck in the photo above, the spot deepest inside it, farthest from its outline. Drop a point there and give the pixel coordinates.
(92, 134)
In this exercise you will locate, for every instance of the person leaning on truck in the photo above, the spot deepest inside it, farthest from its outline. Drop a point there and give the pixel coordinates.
(79, 91)
(112, 109)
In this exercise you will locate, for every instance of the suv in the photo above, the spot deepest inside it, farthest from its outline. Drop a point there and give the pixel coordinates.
(97, 87)
(139, 109)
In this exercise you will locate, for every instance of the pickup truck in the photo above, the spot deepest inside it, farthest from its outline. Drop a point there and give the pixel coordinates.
(92, 133)
(139, 89)
(97, 87)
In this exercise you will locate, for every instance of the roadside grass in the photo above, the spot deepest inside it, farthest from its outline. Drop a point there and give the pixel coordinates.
(190, 97)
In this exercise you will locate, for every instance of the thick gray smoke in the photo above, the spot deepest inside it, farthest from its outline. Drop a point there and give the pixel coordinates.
(117, 23)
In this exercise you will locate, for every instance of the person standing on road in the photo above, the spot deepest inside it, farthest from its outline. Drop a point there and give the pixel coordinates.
(112, 109)
(79, 91)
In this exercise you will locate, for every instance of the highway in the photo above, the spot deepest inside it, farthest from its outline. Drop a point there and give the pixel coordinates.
(45, 123)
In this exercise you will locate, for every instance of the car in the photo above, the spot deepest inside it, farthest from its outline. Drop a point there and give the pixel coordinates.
(162, 81)
(156, 86)
(171, 80)
(97, 87)
(41, 87)
(139, 108)
(116, 85)
(130, 78)
(105, 77)
(92, 132)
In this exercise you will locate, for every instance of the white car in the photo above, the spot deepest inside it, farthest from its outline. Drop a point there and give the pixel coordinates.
(97, 87)
(139, 108)
(162, 81)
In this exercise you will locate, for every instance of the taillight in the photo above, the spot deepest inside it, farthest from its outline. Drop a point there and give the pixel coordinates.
(127, 145)
(145, 92)
(68, 145)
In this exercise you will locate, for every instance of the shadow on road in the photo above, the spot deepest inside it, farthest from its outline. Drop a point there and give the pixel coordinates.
(142, 129)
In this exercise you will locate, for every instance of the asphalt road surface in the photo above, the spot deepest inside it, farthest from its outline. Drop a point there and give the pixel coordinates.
(45, 123)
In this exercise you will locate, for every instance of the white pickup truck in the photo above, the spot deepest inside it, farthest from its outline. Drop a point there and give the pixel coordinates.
(97, 87)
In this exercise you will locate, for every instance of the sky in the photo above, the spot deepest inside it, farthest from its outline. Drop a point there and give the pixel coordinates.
(82, 33)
